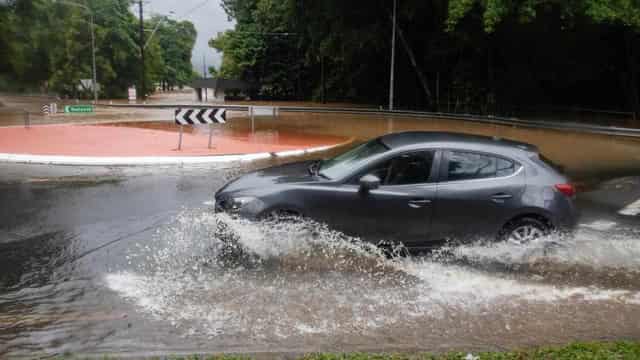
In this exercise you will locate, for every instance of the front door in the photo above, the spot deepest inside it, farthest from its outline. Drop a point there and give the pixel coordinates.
(400, 210)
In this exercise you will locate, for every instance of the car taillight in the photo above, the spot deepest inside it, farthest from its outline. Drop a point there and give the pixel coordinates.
(567, 189)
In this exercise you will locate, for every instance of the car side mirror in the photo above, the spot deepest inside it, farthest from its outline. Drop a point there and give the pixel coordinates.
(369, 182)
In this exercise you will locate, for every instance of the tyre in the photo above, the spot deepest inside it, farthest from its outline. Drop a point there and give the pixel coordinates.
(524, 230)
(393, 250)
(287, 216)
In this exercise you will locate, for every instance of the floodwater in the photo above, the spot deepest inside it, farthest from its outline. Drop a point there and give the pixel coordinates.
(585, 157)
(132, 261)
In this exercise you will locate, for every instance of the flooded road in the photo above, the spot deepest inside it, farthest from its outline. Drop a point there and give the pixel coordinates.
(131, 260)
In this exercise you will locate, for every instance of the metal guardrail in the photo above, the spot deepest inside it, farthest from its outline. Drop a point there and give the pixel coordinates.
(496, 120)
(26, 114)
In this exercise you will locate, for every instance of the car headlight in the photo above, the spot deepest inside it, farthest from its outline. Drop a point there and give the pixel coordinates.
(235, 204)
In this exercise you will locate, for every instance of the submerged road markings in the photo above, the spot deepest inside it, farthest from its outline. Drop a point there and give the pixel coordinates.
(632, 209)
(601, 225)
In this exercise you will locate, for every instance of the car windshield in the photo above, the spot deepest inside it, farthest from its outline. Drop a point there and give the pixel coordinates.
(343, 164)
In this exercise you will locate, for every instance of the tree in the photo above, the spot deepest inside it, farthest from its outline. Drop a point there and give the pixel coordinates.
(176, 39)
(47, 45)
(624, 14)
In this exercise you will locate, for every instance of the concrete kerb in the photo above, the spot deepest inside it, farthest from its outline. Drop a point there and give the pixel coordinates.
(157, 160)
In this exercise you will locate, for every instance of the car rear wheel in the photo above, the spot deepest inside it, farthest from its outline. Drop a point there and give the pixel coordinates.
(523, 231)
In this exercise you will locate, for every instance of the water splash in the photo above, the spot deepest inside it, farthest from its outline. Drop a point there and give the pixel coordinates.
(214, 275)
(589, 257)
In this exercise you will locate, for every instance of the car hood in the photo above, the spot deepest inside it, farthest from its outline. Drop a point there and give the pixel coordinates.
(278, 175)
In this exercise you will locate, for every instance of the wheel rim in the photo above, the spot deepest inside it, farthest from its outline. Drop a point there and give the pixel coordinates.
(524, 234)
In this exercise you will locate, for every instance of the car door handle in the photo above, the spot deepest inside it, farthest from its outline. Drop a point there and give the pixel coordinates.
(501, 197)
(418, 203)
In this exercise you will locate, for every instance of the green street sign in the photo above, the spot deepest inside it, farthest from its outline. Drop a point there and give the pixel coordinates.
(78, 108)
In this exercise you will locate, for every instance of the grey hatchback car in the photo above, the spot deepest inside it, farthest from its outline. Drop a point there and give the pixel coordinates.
(416, 188)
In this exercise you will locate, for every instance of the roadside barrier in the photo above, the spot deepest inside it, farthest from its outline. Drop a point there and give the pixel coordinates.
(263, 111)
(16, 112)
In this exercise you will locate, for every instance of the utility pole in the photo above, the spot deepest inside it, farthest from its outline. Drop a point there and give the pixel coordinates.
(93, 59)
(393, 56)
(204, 76)
(204, 68)
(143, 85)
(322, 79)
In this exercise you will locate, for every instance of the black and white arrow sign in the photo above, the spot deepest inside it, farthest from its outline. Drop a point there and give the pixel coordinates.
(200, 116)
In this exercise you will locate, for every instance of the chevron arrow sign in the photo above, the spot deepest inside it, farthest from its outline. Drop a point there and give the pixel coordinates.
(185, 116)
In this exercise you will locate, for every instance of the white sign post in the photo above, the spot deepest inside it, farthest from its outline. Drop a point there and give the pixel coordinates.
(132, 94)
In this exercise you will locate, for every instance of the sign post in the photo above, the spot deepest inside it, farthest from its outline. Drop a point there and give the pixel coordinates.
(131, 92)
(210, 136)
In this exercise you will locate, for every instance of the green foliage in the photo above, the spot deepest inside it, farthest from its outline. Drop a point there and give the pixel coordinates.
(47, 44)
(175, 40)
(484, 56)
(263, 47)
(626, 12)
(494, 12)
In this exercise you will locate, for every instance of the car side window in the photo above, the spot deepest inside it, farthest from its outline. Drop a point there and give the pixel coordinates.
(405, 169)
(468, 166)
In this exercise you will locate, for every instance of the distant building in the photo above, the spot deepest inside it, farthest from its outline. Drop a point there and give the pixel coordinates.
(87, 85)
(215, 90)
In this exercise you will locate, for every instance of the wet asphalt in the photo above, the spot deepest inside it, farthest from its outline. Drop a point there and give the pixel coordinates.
(63, 228)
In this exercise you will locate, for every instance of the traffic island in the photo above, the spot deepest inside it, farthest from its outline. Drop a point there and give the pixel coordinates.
(106, 144)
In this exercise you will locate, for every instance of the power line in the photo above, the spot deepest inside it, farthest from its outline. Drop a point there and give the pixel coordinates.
(198, 6)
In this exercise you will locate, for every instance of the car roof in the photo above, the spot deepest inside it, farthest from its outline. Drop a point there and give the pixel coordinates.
(410, 139)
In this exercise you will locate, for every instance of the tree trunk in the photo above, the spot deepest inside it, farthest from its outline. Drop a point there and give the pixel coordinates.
(491, 100)
(418, 70)
(412, 59)
(633, 71)
(323, 89)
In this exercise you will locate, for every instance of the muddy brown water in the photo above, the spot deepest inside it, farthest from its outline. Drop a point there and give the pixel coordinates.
(584, 156)
(137, 266)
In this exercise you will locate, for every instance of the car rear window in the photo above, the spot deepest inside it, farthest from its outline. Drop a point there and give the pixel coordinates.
(468, 165)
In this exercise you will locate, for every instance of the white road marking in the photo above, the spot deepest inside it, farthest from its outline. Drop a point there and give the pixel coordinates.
(601, 225)
(632, 209)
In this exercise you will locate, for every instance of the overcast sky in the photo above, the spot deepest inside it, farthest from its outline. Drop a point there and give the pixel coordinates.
(208, 18)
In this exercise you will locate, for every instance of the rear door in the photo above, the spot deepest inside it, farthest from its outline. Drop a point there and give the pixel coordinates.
(477, 193)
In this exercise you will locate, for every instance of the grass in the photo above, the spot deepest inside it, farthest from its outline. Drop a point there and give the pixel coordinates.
(577, 351)
(622, 350)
